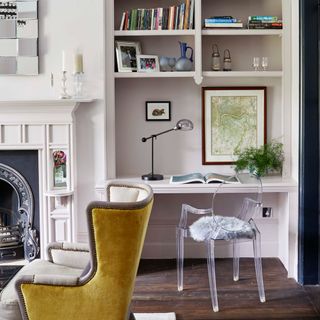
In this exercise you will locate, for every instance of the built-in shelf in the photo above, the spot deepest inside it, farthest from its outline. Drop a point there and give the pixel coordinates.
(189, 74)
(143, 33)
(242, 32)
(235, 74)
(59, 193)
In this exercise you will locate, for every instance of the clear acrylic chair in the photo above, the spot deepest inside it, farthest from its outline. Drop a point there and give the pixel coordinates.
(212, 227)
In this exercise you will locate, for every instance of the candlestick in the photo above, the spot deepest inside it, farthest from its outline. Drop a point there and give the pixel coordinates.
(64, 94)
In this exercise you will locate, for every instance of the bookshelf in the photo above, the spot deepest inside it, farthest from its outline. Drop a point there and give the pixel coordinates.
(181, 153)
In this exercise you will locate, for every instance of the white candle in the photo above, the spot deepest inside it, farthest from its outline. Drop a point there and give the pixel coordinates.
(78, 63)
(64, 61)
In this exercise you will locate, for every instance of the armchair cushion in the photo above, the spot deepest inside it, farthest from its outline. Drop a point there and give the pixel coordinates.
(73, 255)
(9, 307)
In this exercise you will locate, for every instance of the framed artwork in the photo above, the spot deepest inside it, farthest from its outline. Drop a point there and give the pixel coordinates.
(147, 63)
(158, 110)
(232, 118)
(126, 53)
(59, 169)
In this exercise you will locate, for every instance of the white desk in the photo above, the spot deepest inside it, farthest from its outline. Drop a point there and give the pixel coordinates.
(279, 234)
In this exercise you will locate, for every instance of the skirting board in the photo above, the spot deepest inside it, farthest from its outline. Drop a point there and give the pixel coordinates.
(155, 316)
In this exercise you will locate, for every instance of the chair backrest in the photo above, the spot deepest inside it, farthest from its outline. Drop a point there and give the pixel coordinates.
(117, 231)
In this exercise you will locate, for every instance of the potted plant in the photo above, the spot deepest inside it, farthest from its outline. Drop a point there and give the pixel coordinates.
(260, 161)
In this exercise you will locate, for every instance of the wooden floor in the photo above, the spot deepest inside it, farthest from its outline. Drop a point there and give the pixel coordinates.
(155, 291)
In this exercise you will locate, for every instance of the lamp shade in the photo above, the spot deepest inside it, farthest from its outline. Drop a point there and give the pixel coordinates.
(184, 125)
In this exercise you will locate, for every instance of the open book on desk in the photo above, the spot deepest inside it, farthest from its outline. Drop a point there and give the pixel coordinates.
(199, 178)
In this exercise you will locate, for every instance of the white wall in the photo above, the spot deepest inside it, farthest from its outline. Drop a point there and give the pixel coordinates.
(71, 25)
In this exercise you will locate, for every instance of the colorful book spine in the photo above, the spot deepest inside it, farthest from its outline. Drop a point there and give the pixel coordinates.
(191, 18)
(220, 20)
(268, 18)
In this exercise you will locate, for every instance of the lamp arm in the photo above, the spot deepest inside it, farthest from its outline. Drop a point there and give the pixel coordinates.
(144, 139)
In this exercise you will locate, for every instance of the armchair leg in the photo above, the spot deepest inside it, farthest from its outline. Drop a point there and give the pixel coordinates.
(212, 275)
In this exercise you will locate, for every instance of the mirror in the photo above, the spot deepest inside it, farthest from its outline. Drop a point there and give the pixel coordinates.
(19, 37)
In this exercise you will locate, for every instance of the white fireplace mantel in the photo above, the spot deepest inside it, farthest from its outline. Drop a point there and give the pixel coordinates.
(46, 126)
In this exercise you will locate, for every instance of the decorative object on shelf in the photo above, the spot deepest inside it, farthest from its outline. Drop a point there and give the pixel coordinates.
(184, 63)
(182, 125)
(158, 111)
(227, 65)
(164, 63)
(127, 55)
(256, 63)
(59, 169)
(215, 65)
(148, 63)
(64, 94)
(172, 63)
(232, 117)
(19, 37)
(260, 160)
(78, 76)
(264, 63)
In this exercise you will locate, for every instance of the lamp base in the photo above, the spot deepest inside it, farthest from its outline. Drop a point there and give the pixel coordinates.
(152, 177)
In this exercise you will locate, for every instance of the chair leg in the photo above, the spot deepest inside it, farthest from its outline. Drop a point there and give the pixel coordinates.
(258, 265)
(212, 275)
(180, 257)
(235, 260)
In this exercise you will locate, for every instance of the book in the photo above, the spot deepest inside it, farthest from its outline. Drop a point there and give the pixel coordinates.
(220, 20)
(224, 25)
(199, 178)
(269, 18)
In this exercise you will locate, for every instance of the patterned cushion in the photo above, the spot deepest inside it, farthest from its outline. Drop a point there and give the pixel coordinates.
(220, 228)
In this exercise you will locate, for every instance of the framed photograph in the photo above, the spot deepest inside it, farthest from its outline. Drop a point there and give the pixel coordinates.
(126, 53)
(148, 63)
(232, 118)
(158, 110)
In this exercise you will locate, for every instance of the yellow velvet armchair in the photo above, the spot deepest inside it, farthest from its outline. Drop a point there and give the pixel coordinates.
(116, 235)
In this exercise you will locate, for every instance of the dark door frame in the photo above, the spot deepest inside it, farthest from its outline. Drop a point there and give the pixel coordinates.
(309, 235)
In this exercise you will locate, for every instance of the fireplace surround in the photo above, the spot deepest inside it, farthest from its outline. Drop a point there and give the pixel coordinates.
(47, 127)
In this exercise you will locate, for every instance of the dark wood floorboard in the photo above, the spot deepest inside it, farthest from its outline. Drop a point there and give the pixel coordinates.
(156, 291)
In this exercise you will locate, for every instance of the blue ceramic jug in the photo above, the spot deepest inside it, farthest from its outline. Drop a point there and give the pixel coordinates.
(184, 63)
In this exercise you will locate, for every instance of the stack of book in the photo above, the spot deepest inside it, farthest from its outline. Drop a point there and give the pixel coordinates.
(264, 22)
(222, 22)
(179, 17)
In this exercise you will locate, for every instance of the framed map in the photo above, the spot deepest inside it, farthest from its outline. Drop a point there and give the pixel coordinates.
(232, 118)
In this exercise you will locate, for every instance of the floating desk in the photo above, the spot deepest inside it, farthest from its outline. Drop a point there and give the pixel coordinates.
(279, 234)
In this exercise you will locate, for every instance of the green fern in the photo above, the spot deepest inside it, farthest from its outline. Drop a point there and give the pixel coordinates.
(260, 160)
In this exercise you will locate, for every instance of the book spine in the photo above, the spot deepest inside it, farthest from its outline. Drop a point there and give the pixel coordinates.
(160, 14)
(186, 15)
(224, 25)
(122, 21)
(176, 23)
(270, 18)
(182, 16)
(191, 14)
(218, 20)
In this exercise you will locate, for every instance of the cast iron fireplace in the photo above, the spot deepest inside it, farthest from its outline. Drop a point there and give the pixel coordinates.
(18, 237)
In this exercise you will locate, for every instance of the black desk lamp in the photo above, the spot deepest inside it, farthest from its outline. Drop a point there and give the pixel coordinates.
(183, 125)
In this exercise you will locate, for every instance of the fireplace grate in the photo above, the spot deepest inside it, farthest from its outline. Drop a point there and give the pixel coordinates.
(10, 236)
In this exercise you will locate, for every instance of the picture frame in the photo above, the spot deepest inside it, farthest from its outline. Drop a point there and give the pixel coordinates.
(126, 52)
(148, 63)
(232, 117)
(158, 111)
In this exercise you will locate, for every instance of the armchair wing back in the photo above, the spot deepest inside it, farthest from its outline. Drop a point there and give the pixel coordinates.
(116, 236)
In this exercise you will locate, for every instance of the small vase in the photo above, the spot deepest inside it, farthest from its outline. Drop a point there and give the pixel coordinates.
(184, 63)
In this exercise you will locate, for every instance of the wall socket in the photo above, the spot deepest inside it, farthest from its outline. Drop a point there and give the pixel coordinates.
(266, 212)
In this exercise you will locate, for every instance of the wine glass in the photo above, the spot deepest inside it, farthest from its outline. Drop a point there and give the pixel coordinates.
(264, 63)
(256, 63)
(172, 62)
